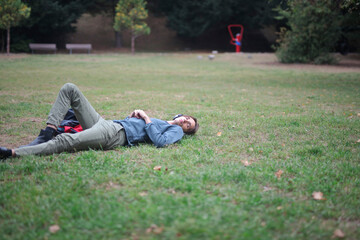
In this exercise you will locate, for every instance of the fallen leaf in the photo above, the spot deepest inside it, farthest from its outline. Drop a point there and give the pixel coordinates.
(54, 228)
(112, 185)
(218, 134)
(278, 173)
(157, 168)
(318, 196)
(171, 190)
(143, 194)
(246, 163)
(338, 234)
(251, 149)
(279, 207)
(267, 189)
(155, 229)
(158, 230)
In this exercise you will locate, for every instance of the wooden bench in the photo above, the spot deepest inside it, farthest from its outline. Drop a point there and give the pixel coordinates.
(42, 47)
(77, 46)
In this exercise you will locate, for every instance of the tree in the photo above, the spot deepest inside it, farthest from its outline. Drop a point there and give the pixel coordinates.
(50, 21)
(130, 14)
(53, 18)
(192, 18)
(11, 13)
(312, 33)
(350, 26)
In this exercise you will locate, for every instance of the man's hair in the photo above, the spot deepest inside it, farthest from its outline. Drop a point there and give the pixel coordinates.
(194, 130)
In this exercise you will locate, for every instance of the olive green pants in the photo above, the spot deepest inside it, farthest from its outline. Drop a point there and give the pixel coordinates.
(98, 133)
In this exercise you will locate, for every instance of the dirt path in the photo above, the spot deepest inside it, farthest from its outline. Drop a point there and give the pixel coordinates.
(348, 63)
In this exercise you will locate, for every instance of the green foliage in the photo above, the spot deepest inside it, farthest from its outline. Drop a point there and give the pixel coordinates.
(21, 45)
(191, 18)
(314, 29)
(12, 12)
(130, 14)
(50, 20)
(351, 23)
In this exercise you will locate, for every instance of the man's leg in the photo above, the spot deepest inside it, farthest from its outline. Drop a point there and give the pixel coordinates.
(103, 135)
(70, 96)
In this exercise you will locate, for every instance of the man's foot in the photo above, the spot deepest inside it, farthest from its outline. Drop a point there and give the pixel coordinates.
(45, 135)
(5, 153)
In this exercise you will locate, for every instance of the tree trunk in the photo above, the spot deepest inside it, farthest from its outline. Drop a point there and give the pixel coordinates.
(117, 34)
(8, 41)
(118, 39)
(2, 41)
(133, 44)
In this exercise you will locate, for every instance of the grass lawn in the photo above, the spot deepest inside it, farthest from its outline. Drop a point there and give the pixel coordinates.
(269, 137)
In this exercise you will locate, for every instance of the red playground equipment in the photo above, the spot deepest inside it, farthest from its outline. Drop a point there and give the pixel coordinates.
(237, 40)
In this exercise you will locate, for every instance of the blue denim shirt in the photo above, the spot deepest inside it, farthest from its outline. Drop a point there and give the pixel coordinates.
(159, 132)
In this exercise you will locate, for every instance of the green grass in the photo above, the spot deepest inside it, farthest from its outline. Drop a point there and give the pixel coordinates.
(304, 123)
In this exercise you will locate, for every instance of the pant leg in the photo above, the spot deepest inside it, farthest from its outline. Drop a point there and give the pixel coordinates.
(105, 134)
(70, 96)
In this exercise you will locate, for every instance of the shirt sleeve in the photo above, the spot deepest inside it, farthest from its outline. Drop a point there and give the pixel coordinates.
(171, 135)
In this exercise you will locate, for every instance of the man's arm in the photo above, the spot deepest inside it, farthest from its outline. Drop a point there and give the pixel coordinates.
(171, 135)
(160, 139)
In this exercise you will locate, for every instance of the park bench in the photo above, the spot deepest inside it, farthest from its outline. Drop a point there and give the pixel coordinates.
(77, 46)
(42, 47)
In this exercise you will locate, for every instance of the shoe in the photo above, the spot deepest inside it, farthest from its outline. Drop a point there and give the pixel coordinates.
(45, 135)
(5, 153)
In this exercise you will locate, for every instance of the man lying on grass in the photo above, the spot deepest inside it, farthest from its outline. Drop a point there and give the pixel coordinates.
(100, 133)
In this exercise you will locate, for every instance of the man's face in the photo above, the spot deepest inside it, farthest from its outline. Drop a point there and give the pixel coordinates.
(186, 123)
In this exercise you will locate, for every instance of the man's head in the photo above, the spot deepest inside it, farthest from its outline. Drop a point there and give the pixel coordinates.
(188, 123)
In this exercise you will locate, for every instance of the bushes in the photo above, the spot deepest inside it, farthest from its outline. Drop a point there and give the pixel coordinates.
(314, 31)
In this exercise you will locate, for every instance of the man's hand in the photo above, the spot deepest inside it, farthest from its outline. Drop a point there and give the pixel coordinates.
(134, 114)
(140, 114)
